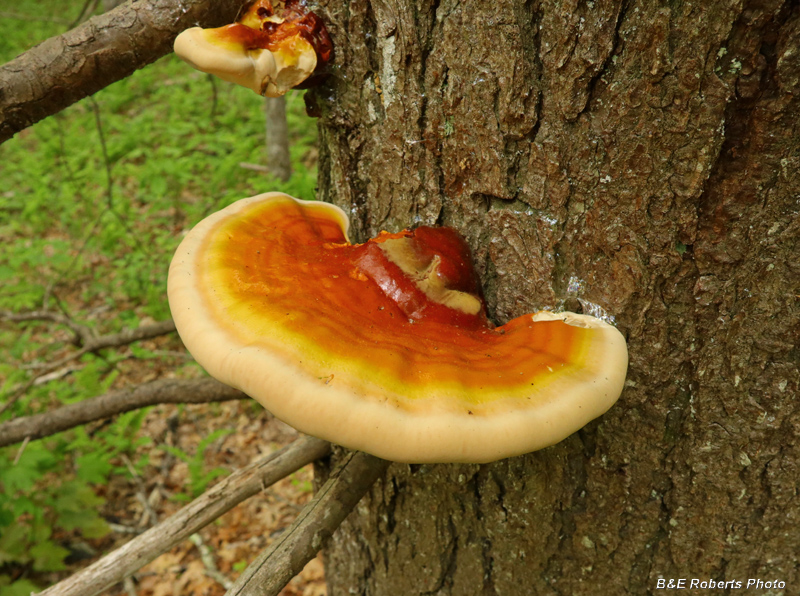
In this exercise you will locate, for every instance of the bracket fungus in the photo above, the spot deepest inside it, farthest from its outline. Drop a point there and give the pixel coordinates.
(269, 50)
(383, 346)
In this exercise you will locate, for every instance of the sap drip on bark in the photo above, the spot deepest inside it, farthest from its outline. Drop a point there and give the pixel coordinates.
(575, 287)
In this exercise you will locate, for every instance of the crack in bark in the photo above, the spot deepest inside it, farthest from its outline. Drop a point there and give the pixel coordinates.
(592, 84)
(447, 563)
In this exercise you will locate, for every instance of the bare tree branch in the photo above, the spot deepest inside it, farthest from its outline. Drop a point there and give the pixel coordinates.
(128, 336)
(231, 491)
(83, 334)
(93, 343)
(105, 49)
(286, 557)
(86, 336)
(163, 391)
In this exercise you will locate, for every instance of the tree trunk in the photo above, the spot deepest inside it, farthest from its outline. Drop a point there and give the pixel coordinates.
(279, 161)
(637, 157)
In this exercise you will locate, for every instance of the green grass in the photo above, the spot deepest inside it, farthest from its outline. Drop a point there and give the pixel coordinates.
(91, 229)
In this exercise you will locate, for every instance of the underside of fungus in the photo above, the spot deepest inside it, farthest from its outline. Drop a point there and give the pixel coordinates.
(383, 346)
(269, 49)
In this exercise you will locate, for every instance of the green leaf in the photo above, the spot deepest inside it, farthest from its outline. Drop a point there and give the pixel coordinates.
(76, 508)
(80, 439)
(29, 469)
(6, 516)
(22, 505)
(93, 467)
(40, 530)
(179, 453)
(201, 483)
(14, 543)
(92, 525)
(21, 587)
(48, 556)
(203, 445)
(76, 497)
(142, 353)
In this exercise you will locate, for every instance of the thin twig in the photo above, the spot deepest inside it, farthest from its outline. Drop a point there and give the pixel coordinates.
(172, 354)
(123, 529)
(213, 80)
(83, 334)
(130, 587)
(112, 340)
(88, 8)
(163, 391)
(210, 564)
(56, 374)
(21, 450)
(129, 336)
(228, 493)
(110, 179)
(149, 515)
(286, 557)
(98, 124)
(254, 166)
(16, 393)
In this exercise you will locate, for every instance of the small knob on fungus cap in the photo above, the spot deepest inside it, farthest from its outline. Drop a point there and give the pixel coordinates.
(384, 346)
(427, 273)
(269, 50)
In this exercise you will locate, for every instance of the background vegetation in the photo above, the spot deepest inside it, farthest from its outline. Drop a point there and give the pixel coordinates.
(93, 203)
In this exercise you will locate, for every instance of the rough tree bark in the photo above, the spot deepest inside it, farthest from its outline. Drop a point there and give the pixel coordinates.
(639, 156)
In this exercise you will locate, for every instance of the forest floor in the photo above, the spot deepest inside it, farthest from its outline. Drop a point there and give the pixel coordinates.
(175, 453)
(238, 536)
(94, 201)
(134, 503)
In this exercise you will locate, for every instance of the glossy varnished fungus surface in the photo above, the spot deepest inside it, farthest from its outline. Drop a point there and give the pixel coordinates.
(268, 27)
(270, 49)
(382, 346)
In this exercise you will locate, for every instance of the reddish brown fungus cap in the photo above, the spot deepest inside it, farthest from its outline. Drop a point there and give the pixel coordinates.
(383, 346)
(269, 49)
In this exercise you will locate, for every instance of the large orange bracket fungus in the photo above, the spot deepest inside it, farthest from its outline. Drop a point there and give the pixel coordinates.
(383, 346)
(269, 49)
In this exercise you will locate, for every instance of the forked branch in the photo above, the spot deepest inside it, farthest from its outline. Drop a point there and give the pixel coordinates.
(84, 336)
(286, 557)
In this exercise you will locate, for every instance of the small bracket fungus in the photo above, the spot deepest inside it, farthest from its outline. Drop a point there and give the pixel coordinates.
(383, 346)
(269, 50)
